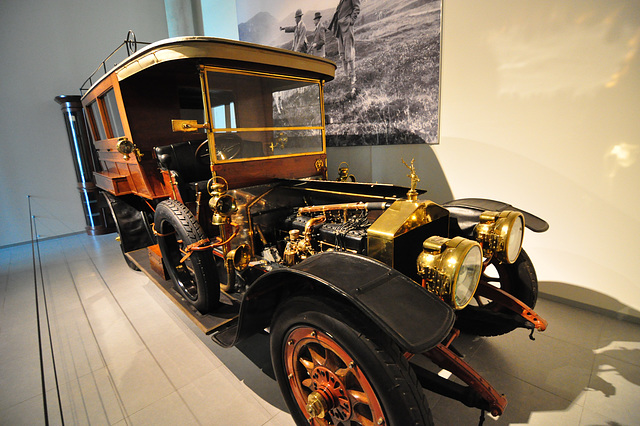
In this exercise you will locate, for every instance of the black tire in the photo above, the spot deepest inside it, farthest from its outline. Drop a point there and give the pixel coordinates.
(518, 279)
(196, 279)
(316, 344)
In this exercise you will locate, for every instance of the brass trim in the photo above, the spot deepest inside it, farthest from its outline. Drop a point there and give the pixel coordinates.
(401, 217)
(204, 88)
(260, 73)
(261, 129)
(244, 160)
(187, 125)
(126, 147)
(494, 233)
(325, 191)
(413, 193)
(439, 264)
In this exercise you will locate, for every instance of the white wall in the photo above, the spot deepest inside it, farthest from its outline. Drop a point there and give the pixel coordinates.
(540, 107)
(48, 48)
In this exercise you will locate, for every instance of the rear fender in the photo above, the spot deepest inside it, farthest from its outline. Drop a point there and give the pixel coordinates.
(132, 223)
(414, 318)
(465, 215)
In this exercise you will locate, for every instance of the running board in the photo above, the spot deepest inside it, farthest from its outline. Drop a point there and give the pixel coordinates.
(227, 336)
(226, 313)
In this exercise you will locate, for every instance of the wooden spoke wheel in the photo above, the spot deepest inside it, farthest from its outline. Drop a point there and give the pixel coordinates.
(334, 367)
(326, 381)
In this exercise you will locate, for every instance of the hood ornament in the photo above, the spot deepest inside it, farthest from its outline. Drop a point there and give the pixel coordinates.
(412, 194)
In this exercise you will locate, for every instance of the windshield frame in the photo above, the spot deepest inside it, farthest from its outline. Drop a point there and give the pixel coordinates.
(211, 131)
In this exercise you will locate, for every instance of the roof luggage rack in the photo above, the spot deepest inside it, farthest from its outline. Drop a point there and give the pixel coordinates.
(132, 46)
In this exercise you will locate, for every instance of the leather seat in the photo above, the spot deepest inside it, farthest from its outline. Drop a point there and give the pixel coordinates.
(180, 158)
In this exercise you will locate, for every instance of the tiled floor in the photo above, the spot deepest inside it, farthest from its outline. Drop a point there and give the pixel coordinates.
(124, 354)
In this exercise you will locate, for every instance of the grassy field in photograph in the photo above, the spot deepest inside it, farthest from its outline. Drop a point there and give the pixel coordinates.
(397, 68)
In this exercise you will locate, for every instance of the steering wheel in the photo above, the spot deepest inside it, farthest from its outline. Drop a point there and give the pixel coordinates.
(202, 153)
(228, 146)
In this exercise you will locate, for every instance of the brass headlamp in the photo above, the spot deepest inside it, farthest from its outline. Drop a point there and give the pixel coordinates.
(126, 147)
(237, 259)
(221, 204)
(240, 257)
(500, 234)
(451, 268)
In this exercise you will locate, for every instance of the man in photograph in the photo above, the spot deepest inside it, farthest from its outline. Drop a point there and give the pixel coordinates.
(299, 31)
(317, 47)
(342, 26)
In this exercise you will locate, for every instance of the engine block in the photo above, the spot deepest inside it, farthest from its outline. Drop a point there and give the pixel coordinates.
(348, 236)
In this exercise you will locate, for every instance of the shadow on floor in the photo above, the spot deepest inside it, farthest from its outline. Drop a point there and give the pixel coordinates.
(589, 300)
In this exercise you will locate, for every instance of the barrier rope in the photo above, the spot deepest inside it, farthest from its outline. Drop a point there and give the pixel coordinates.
(35, 246)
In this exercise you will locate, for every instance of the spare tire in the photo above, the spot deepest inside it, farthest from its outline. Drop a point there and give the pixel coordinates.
(196, 277)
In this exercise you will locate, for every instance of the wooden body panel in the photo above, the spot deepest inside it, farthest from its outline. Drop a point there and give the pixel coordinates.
(155, 261)
(164, 82)
(113, 182)
(248, 173)
(118, 175)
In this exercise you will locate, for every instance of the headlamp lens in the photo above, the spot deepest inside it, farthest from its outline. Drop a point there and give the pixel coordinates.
(514, 240)
(468, 277)
(501, 234)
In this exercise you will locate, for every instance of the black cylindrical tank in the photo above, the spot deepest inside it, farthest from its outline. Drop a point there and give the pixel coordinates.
(84, 163)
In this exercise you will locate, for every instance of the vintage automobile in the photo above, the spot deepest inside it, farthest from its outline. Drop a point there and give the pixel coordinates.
(212, 160)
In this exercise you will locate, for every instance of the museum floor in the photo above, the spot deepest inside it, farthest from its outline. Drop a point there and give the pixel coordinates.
(124, 354)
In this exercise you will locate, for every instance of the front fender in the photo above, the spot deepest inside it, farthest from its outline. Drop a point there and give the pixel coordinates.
(465, 215)
(414, 318)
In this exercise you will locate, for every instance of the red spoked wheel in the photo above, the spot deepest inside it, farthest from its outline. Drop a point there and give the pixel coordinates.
(335, 368)
(327, 383)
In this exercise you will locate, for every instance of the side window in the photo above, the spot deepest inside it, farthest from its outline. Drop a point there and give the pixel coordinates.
(106, 117)
(223, 107)
(97, 121)
(111, 108)
(224, 116)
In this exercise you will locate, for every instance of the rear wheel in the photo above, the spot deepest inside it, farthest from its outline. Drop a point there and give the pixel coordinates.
(335, 370)
(518, 279)
(195, 277)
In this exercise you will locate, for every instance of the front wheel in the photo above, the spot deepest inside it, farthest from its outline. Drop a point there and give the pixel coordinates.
(333, 369)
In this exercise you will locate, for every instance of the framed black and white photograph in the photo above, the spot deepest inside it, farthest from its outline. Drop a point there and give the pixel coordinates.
(387, 84)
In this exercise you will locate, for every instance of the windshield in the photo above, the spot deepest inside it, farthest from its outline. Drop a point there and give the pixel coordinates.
(257, 115)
